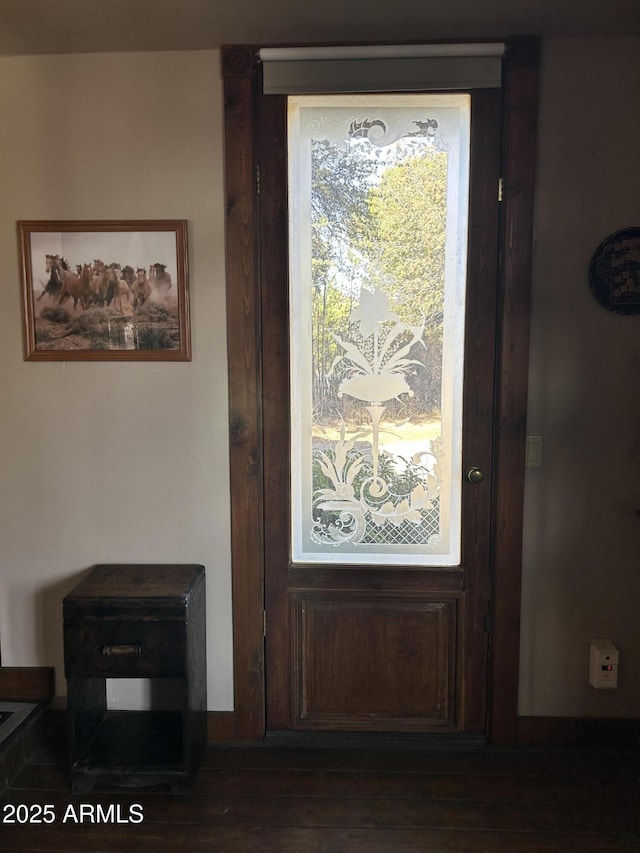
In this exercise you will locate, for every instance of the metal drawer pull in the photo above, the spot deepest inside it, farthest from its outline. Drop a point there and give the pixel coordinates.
(122, 650)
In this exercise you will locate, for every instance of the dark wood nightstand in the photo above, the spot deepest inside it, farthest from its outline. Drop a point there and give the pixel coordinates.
(135, 621)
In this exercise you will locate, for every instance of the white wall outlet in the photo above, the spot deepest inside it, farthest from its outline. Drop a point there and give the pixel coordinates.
(603, 665)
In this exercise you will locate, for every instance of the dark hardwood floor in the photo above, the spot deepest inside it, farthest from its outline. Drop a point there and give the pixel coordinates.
(268, 798)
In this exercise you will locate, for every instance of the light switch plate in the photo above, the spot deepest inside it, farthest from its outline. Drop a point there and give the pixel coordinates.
(533, 455)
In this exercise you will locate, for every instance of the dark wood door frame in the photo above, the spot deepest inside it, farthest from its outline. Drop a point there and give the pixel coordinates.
(244, 327)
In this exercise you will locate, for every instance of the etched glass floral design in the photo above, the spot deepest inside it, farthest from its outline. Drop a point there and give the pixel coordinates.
(378, 188)
(373, 374)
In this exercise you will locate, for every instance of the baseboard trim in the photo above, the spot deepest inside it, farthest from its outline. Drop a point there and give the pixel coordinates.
(578, 733)
(221, 727)
(27, 683)
(533, 733)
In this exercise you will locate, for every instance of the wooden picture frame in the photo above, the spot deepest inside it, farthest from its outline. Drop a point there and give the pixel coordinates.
(105, 290)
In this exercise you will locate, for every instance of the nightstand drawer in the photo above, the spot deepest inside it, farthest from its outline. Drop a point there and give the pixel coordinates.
(124, 649)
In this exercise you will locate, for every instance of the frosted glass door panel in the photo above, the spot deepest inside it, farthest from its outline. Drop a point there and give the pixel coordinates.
(378, 198)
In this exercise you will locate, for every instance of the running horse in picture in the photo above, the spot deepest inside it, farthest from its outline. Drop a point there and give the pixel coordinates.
(67, 283)
(54, 284)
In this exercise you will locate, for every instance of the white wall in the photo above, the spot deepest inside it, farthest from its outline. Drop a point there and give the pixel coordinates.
(582, 528)
(118, 462)
(113, 462)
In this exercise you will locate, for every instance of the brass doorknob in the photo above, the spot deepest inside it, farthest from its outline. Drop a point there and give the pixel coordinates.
(475, 475)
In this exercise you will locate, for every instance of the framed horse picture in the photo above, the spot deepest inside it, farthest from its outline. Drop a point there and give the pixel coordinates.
(105, 290)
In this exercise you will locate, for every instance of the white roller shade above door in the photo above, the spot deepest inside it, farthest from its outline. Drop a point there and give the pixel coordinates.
(381, 68)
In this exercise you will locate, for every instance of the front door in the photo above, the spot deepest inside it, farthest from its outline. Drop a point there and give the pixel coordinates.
(379, 223)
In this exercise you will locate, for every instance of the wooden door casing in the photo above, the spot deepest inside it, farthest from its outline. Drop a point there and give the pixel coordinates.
(245, 330)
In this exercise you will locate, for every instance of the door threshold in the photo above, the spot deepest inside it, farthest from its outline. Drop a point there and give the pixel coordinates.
(376, 740)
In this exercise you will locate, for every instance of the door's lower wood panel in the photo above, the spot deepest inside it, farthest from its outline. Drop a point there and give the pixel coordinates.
(374, 661)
